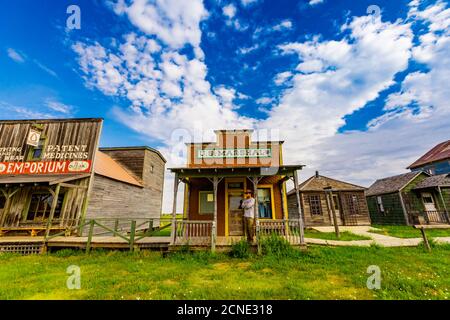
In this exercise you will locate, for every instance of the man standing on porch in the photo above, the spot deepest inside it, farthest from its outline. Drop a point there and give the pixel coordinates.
(249, 207)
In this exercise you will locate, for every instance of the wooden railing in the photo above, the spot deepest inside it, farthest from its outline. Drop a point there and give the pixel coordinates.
(189, 232)
(129, 229)
(435, 217)
(288, 229)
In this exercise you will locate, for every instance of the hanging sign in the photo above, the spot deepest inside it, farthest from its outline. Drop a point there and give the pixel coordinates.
(33, 138)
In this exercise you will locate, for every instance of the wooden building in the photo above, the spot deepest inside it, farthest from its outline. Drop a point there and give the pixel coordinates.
(409, 198)
(435, 161)
(216, 176)
(320, 196)
(52, 176)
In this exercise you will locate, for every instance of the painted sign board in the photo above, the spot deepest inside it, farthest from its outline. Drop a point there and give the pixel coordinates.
(44, 167)
(63, 146)
(234, 153)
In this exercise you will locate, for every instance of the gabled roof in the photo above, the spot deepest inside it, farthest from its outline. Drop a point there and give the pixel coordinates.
(319, 182)
(135, 148)
(439, 152)
(107, 167)
(440, 180)
(392, 184)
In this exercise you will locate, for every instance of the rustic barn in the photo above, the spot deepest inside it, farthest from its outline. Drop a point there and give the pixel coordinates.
(218, 173)
(435, 161)
(52, 176)
(321, 197)
(394, 200)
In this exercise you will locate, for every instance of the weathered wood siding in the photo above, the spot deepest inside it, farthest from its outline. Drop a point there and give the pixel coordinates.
(325, 219)
(111, 198)
(393, 211)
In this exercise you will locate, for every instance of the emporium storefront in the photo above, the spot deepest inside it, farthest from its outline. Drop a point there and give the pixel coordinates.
(217, 175)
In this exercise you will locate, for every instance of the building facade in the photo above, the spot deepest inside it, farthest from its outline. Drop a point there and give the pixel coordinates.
(218, 173)
(410, 198)
(435, 161)
(52, 176)
(347, 201)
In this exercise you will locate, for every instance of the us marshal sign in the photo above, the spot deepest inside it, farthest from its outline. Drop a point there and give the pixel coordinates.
(234, 153)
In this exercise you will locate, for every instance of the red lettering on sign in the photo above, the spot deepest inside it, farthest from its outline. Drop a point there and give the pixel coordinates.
(45, 167)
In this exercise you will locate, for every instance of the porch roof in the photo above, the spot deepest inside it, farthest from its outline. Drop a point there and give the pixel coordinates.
(283, 170)
(441, 180)
(41, 178)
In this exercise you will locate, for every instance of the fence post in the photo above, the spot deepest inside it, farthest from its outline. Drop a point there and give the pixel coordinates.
(91, 232)
(258, 237)
(116, 227)
(150, 227)
(213, 236)
(132, 234)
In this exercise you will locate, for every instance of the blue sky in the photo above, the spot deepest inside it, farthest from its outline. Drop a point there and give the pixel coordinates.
(346, 87)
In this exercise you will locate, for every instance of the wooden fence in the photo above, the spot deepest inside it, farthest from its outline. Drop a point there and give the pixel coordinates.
(287, 229)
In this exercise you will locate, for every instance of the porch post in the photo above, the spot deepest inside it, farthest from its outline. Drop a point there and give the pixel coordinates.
(52, 209)
(176, 182)
(443, 202)
(405, 213)
(214, 226)
(329, 196)
(300, 215)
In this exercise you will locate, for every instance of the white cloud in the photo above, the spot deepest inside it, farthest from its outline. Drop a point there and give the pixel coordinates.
(283, 25)
(264, 100)
(15, 55)
(248, 2)
(283, 77)
(174, 22)
(314, 2)
(58, 106)
(229, 11)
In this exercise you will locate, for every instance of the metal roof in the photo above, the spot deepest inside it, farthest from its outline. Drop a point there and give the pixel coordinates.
(439, 152)
(107, 167)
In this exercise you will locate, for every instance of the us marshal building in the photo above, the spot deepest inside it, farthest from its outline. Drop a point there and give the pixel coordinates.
(216, 176)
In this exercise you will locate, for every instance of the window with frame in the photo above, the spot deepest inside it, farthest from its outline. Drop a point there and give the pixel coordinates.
(206, 202)
(380, 204)
(315, 206)
(265, 203)
(35, 153)
(336, 202)
(352, 204)
(41, 204)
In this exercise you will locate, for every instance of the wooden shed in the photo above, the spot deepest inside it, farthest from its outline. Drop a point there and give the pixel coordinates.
(393, 200)
(53, 175)
(320, 196)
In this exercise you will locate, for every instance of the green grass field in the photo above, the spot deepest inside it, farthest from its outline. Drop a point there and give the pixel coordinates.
(409, 232)
(318, 273)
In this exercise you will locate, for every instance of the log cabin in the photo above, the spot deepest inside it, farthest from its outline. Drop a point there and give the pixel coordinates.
(216, 176)
(53, 175)
(322, 197)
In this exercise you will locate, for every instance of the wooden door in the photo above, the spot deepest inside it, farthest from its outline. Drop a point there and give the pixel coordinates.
(428, 201)
(235, 215)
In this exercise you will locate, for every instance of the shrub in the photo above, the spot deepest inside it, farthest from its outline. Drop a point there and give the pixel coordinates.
(240, 249)
(275, 245)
